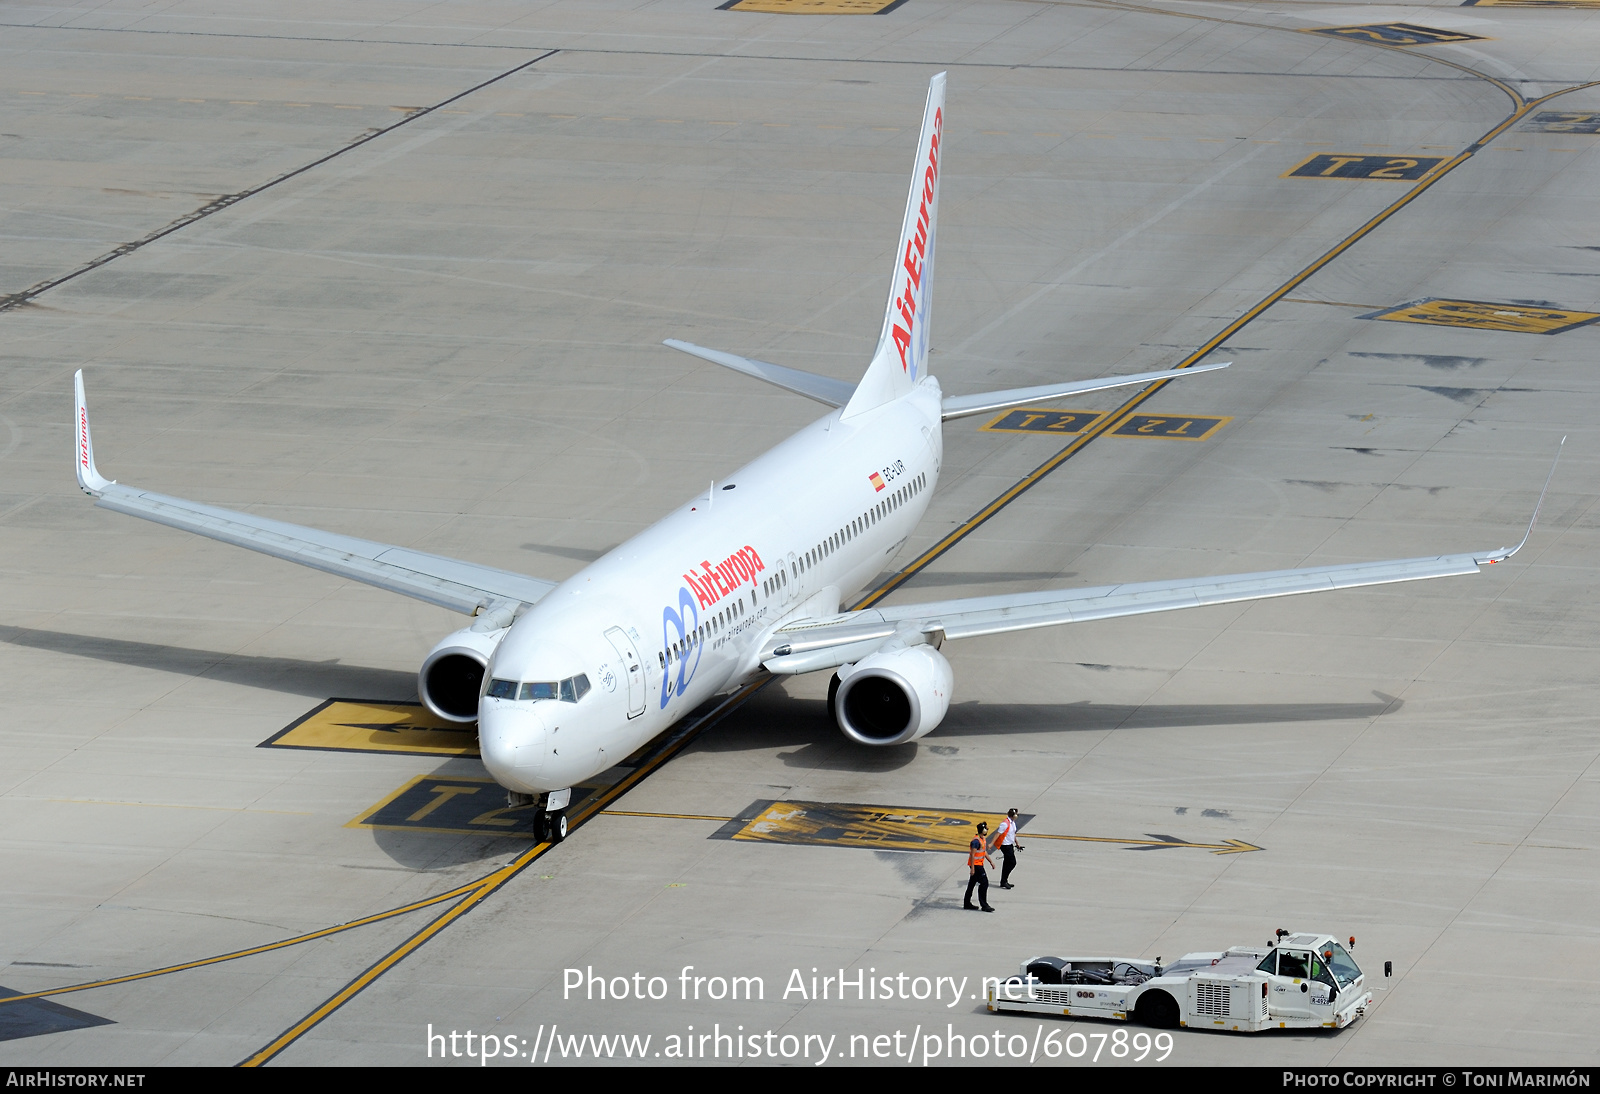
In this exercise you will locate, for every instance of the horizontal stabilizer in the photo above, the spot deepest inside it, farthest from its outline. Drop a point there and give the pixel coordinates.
(824, 389)
(960, 406)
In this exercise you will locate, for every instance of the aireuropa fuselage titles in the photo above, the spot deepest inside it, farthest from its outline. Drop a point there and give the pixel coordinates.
(851, 492)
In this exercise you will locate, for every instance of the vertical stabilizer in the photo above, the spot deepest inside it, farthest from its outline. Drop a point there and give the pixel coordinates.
(902, 354)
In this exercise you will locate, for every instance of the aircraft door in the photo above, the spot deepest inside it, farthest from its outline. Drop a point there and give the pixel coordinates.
(633, 668)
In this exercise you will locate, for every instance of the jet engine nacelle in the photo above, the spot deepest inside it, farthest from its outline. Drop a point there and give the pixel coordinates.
(452, 674)
(893, 696)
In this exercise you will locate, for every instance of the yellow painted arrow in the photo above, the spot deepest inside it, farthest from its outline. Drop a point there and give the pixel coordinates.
(1155, 842)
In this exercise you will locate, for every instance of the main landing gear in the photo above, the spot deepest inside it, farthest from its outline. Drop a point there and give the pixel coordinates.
(550, 820)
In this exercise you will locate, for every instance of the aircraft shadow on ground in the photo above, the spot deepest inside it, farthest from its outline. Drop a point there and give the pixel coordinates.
(430, 852)
(420, 851)
(577, 554)
(292, 676)
(804, 725)
(800, 728)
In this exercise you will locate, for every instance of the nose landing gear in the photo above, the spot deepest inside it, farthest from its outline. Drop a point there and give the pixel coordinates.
(554, 826)
(550, 820)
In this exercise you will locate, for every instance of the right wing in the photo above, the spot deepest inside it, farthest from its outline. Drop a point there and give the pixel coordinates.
(464, 587)
(808, 645)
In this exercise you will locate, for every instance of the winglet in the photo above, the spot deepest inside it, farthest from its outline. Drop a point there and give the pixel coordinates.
(90, 480)
(1506, 552)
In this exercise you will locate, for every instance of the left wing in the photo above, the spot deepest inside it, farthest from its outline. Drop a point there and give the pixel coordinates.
(807, 645)
(464, 587)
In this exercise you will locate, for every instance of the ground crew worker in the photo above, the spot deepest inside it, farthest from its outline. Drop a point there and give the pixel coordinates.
(1005, 841)
(977, 859)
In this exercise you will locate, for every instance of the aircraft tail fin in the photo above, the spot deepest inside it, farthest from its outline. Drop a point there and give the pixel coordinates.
(901, 358)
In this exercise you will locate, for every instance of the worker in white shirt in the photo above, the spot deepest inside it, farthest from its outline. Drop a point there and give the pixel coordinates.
(1005, 841)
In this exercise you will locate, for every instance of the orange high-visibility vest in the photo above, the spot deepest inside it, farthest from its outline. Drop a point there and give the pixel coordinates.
(975, 856)
(1007, 827)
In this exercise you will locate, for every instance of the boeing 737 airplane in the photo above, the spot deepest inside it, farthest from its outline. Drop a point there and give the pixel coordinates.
(564, 680)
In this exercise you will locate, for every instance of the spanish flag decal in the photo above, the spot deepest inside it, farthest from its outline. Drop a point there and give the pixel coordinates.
(877, 481)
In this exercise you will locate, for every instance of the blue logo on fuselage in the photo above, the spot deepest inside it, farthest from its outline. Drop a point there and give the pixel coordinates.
(681, 652)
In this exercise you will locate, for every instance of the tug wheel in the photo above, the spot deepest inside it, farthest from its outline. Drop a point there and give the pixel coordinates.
(1158, 1009)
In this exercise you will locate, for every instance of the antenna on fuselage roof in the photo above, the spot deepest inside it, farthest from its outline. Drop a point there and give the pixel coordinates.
(901, 358)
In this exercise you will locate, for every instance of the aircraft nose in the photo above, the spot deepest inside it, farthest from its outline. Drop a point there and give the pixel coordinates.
(513, 742)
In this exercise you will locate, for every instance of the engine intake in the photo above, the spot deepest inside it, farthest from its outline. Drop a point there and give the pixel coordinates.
(895, 695)
(451, 679)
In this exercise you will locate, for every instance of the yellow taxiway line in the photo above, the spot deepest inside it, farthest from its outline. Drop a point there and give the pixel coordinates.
(473, 893)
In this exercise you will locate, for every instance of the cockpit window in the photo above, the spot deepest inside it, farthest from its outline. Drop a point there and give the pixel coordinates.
(1344, 968)
(569, 690)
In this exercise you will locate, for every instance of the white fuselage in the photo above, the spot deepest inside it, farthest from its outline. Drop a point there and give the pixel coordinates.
(680, 612)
